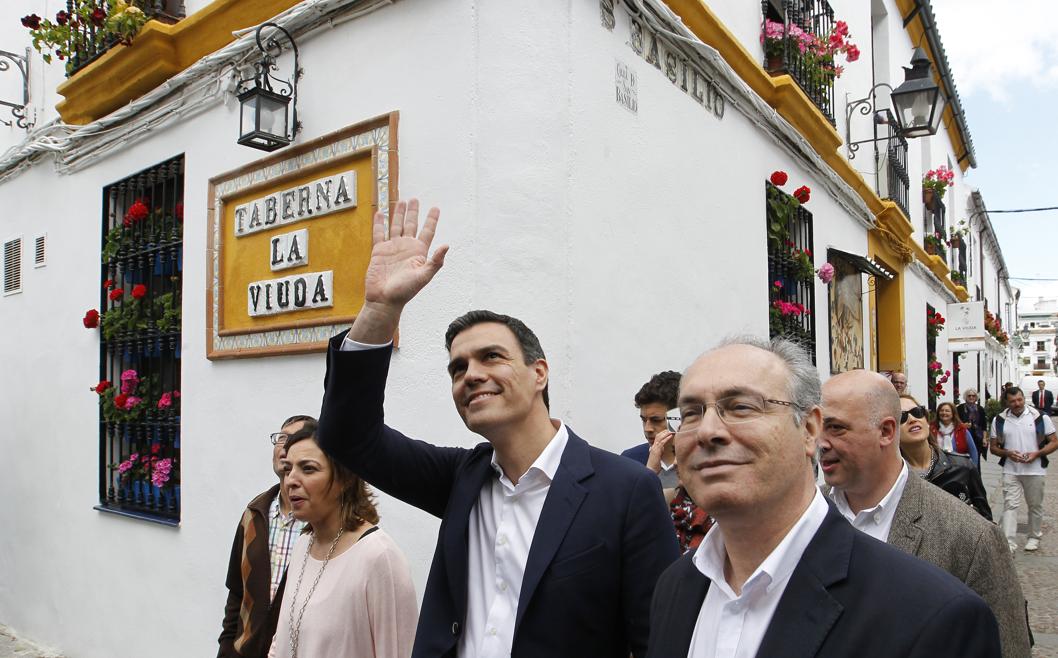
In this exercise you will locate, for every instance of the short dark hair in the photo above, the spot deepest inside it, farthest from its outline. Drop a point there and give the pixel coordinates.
(663, 387)
(309, 421)
(1011, 392)
(527, 340)
(357, 502)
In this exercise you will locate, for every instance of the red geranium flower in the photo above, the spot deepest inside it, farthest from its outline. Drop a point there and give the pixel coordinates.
(139, 291)
(180, 213)
(108, 284)
(62, 17)
(779, 178)
(803, 194)
(137, 212)
(32, 21)
(91, 319)
(101, 386)
(120, 400)
(99, 16)
(116, 294)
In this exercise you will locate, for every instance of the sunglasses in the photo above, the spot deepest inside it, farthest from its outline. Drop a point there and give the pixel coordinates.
(918, 412)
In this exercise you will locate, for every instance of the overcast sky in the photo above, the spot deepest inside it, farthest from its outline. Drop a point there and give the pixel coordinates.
(1004, 58)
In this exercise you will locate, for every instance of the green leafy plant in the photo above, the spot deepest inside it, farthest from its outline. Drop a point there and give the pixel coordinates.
(167, 312)
(92, 26)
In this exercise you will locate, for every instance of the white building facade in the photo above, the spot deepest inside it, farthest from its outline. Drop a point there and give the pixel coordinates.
(602, 170)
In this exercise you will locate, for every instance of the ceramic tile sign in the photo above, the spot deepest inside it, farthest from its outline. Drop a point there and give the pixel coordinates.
(305, 201)
(290, 240)
(296, 292)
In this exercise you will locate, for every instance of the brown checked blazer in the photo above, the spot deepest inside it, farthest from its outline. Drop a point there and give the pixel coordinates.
(937, 527)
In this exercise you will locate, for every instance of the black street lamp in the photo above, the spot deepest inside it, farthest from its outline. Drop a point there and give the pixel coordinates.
(264, 120)
(918, 104)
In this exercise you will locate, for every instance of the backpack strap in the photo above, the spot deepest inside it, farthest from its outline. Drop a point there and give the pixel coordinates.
(1000, 421)
(1041, 440)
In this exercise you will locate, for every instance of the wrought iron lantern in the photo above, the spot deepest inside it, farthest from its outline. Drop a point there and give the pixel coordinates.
(918, 105)
(918, 102)
(268, 115)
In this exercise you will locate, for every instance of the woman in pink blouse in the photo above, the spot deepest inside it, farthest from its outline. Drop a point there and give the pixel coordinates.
(348, 589)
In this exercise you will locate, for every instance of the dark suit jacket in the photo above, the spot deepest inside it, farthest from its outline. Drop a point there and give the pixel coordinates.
(942, 530)
(603, 537)
(978, 424)
(850, 595)
(640, 453)
(1044, 405)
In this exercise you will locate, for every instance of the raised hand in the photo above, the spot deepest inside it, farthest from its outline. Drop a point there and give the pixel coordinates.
(401, 265)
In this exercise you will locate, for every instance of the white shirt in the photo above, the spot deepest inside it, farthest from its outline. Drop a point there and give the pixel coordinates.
(1019, 433)
(502, 526)
(877, 520)
(946, 434)
(731, 625)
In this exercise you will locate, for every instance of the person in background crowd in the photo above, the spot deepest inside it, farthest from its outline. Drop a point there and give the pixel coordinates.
(1022, 439)
(654, 400)
(258, 563)
(859, 453)
(951, 434)
(548, 546)
(955, 474)
(350, 591)
(1043, 399)
(899, 381)
(782, 573)
(973, 414)
(1003, 393)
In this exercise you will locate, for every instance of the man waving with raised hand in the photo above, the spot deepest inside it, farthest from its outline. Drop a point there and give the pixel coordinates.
(548, 546)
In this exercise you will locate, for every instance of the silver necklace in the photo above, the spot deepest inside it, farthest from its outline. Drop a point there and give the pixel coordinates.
(295, 628)
(929, 469)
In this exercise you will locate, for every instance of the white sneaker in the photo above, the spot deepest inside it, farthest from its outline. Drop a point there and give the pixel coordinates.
(1032, 544)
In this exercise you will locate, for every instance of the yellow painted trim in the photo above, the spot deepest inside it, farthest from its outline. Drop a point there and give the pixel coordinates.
(158, 52)
(887, 307)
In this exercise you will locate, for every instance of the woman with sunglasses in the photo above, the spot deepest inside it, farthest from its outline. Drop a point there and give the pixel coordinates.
(954, 473)
(951, 433)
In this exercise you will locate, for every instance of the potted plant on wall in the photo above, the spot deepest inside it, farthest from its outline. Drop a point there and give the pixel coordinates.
(90, 26)
(935, 183)
(958, 279)
(934, 244)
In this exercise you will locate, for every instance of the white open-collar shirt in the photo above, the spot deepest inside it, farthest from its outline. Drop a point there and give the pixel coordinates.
(878, 520)
(732, 625)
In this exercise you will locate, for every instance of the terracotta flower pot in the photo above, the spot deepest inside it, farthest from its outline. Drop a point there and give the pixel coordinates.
(774, 64)
(929, 196)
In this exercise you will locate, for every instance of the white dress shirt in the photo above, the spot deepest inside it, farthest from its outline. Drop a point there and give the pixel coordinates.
(732, 625)
(1019, 433)
(877, 520)
(502, 526)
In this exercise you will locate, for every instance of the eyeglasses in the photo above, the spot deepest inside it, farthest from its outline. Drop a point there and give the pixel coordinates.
(279, 437)
(918, 412)
(732, 410)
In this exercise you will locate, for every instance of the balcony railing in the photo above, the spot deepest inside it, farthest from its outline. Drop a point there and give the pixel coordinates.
(935, 231)
(791, 271)
(816, 18)
(895, 183)
(90, 40)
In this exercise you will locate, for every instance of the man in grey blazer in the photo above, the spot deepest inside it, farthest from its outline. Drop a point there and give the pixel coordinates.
(872, 487)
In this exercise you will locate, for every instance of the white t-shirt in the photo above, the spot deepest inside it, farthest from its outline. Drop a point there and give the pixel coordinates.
(1019, 433)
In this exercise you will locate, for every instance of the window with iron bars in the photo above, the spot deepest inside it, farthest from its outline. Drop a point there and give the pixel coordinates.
(791, 270)
(139, 353)
(814, 17)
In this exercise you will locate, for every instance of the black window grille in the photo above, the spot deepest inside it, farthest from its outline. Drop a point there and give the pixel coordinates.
(139, 354)
(89, 39)
(933, 375)
(791, 270)
(935, 231)
(815, 17)
(897, 182)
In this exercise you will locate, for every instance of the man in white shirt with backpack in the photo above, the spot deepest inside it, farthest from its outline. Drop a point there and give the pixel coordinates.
(1023, 439)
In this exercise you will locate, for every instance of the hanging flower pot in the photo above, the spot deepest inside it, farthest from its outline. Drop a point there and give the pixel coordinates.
(775, 64)
(928, 196)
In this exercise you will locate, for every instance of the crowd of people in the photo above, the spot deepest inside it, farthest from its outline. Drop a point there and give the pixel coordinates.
(765, 513)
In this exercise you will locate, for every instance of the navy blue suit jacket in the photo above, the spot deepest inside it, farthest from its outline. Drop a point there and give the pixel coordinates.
(603, 538)
(640, 453)
(850, 595)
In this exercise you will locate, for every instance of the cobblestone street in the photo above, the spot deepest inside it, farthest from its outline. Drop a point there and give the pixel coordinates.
(1039, 570)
